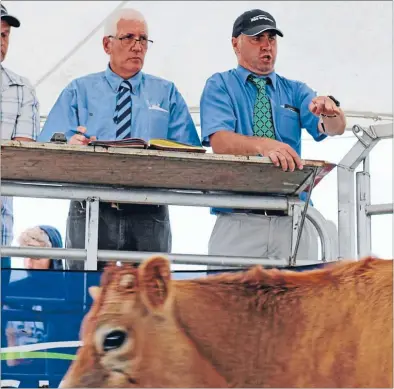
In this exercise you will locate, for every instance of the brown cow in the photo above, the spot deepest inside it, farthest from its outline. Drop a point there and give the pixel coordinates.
(331, 327)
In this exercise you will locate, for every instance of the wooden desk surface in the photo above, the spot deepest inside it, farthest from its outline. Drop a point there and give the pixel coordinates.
(120, 167)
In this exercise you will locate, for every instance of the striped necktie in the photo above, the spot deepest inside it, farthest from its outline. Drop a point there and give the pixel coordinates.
(262, 113)
(122, 116)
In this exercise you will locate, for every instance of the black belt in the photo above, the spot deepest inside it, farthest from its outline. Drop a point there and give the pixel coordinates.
(130, 208)
(265, 212)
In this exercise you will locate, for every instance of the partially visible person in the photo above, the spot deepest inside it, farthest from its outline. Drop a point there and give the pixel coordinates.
(42, 236)
(19, 119)
(252, 110)
(118, 103)
(21, 333)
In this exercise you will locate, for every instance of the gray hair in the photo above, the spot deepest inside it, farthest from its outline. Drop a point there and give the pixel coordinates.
(111, 24)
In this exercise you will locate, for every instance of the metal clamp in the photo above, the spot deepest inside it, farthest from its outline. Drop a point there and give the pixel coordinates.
(370, 131)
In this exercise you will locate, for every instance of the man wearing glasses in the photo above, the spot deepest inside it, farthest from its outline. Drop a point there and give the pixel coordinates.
(118, 103)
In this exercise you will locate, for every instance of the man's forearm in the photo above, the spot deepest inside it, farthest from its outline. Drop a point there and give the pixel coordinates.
(226, 142)
(333, 125)
(22, 139)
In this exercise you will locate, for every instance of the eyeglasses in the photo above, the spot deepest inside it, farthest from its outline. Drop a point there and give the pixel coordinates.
(130, 40)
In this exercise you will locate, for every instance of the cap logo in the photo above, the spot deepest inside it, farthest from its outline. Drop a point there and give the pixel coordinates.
(258, 17)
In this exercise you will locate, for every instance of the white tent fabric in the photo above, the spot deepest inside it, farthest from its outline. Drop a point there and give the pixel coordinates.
(342, 48)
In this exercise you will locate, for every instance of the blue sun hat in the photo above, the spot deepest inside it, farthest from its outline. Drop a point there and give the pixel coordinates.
(57, 242)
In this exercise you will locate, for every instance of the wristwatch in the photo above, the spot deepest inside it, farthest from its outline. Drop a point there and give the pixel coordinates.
(337, 103)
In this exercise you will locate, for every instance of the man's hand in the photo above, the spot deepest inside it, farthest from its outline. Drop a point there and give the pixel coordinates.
(323, 105)
(78, 139)
(281, 154)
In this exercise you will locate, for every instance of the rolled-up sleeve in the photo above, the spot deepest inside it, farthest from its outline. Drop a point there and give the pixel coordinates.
(309, 121)
(28, 122)
(63, 116)
(181, 127)
(216, 109)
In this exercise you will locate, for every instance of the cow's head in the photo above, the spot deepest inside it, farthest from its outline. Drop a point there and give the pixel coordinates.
(131, 337)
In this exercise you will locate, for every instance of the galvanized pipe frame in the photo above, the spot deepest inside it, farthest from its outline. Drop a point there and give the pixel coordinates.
(139, 256)
(347, 193)
(363, 190)
(379, 209)
(94, 194)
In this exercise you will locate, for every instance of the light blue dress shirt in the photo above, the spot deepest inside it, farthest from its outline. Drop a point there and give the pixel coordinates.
(158, 109)
(228, 99)
(227, 103)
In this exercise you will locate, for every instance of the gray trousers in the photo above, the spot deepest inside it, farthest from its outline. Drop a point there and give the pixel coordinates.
(251, 235)
(133, 227)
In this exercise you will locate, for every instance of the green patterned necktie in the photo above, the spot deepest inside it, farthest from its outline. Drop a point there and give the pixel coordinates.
(262, 114)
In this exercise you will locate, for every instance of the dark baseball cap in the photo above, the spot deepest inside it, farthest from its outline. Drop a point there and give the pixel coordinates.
(254, 22)
(11, 20)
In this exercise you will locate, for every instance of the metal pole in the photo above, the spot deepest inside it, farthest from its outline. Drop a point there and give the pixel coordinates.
(367, 140)
(91, 233)
(303, 215)
(170, 198)
(80, 254)
(346, 216)
(296, 221)
(363, 185)
(319, 222)
(135, 256)
(379, 209)
(146, 196)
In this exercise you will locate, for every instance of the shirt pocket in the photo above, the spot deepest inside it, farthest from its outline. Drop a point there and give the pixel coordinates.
(10, 107)
(9, 115)
(289, 126)
(158, 121)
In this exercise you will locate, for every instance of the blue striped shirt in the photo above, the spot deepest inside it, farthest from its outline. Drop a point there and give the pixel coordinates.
(158, 109)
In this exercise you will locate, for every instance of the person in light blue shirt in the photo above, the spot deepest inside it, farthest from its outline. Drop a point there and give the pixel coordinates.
(158, 110)
(118, 103)
(252, 110)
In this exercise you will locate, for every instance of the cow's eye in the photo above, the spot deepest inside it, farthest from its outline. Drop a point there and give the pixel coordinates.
(114, 340)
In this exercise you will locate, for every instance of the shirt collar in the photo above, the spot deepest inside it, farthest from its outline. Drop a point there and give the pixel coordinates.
(114, 80)
(244, 74)
(10, 78)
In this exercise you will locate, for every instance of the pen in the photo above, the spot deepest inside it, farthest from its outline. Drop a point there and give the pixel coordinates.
(290, 108)
(80, 133)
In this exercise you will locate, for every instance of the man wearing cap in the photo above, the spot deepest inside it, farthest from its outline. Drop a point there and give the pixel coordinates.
(252, 110)
(19, 119)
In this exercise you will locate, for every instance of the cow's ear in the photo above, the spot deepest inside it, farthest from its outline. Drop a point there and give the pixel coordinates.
(155, 282)
(94, 292)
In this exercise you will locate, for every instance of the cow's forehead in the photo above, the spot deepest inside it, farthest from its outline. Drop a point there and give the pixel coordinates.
(118, 288)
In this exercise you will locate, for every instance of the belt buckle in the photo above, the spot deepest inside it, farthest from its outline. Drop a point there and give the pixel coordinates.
(116, 206)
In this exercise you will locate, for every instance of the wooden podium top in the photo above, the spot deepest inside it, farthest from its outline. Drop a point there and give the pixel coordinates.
(138, 168)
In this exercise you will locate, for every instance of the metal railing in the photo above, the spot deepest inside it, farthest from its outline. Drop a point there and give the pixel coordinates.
(354, 193)
(93, 194)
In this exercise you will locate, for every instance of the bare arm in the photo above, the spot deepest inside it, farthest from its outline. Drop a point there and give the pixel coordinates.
(22, 139)
(227, 142)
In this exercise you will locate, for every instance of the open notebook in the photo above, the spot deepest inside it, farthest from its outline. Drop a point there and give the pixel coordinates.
(153, 144)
